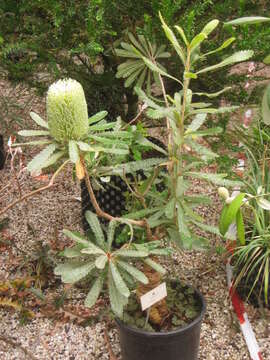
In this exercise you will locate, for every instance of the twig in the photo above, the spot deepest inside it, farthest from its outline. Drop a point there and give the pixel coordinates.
(144, 106)
(99, 211)
(18, 345)
(35, 192)
(107, 339)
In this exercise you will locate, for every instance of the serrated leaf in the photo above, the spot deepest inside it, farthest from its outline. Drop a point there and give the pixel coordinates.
(38, 120)
(73, 252)
(182, 33)
(226, 43)
(73, 151)
(84, 146)
(97, 117)
(131, 253)
(216, 179)
(213, 95)
(54, 158)
(209, 27)
(33, 143)
(157, 69)
(137, 274)
(170, 208)
(196, 122)
(172, 38)
(75, 235)
(118, 281)
(110, 236)
(92, 220)
(101, 261)
(117, 300)
(154, 265)
(208, 228)
(235, 58)
(73, 272)
(94, 293)
(132, 167)
(33, 133)
(39, 160)
(248, 20)
(196, 41)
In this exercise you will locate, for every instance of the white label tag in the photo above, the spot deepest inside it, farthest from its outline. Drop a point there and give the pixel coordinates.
(153, 296)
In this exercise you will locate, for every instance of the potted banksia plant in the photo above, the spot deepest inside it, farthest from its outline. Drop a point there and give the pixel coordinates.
(165, 331)
(170, 328)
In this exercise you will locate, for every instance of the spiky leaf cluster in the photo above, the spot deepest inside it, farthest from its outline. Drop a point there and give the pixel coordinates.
(112, 269)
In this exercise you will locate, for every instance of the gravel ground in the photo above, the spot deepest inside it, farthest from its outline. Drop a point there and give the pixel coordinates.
(42, 218)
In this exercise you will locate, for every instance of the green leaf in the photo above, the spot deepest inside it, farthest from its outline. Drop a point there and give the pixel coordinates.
(170, 208)
(247, 21)
(210, 27)
(229, 217)
(118, 281)
(110, 236)
(73, 151)
(38, 120)
(235, 58)
(213, 95)
(196, 122)
(33, 143)
(154, 265)
(221, 110)
(33, 132)
(92, 220)
(94, 293)
(117, 300)
(266, 106)
(182, 226)
(131, 167)
(266, 60)
(222, 218)
(74, 271)
(39, 160)
(208, 228)
(240, 227)
(182, 34)
(172, 38)
(157, 69)
(54, 158)
(101, 261)
(97, 117)
(216, 179)
(73, 252)
(226, 43)
(137, 274)
(84, 146)
(196, 41)
(131, 253)
(75, 235)
(189, 75)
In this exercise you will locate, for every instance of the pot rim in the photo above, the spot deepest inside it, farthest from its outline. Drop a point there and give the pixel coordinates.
(171, 333)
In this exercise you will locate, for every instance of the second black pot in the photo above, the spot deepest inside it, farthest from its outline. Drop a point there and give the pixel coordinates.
(180, 344)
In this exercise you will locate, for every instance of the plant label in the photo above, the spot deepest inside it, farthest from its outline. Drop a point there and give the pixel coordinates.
(153, 296)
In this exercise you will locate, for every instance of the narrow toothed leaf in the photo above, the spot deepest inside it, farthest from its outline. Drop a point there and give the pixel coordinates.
(118, 281)
(154, 265)
(33, 133)
(73, 272)
(38, 120)
(94, 293)
(73, 150)
(101, 261)
(137, 274)
(40, 160)
(92, 220)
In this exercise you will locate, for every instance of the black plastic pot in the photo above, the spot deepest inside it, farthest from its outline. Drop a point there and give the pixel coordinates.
(2, 152)
(181, 344)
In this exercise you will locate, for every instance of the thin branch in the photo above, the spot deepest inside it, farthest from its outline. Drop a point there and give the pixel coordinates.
(101, 213)
(107, 339)
(35, 192)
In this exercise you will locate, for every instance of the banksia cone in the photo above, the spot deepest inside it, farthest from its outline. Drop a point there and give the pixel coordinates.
(67, 111)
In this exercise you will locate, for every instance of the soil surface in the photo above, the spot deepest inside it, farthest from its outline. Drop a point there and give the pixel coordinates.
(71, 332)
